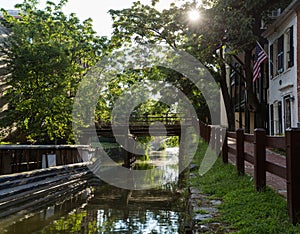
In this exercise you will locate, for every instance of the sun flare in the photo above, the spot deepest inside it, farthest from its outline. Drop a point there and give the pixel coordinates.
(194, 15)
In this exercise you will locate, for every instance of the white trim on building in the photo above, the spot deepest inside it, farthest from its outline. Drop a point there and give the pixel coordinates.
(282, 48)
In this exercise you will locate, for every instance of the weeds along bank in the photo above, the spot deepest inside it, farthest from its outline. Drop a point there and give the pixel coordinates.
(242, 209)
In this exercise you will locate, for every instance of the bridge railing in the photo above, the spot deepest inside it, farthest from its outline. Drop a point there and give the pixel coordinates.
(168, 119)
(20, 158)
(147, 119)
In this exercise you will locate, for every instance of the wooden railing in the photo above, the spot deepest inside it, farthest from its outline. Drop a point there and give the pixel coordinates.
(19, 158)
(147, 119)
(167, 119)
(290, 172)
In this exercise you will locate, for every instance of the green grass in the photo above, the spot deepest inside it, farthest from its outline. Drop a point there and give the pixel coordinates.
(242, 208)
(202, 212)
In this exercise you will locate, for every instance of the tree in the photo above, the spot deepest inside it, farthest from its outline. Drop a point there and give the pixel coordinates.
(233, 24)
(240, 24)
(145, 25)
(47, 53)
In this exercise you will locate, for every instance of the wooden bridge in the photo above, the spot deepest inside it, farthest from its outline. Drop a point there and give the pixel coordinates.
(147, 125)
(20, 158)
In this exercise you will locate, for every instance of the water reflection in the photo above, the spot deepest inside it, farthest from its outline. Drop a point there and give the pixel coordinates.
(160, 168)
(108, 209)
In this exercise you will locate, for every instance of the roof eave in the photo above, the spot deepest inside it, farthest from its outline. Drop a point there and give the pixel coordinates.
(292, 8)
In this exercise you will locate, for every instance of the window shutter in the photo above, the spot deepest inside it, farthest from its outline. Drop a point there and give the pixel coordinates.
(291, 55)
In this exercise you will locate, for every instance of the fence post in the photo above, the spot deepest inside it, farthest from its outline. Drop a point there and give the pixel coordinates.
(293, 173)
(6, 161)
(200, 129)
(205, 133)
(259, 159)
(224, 147)
(208, 133)
(218, 140)
(213, 137)
(240, 162)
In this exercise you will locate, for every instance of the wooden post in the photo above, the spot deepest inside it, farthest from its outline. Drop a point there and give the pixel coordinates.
(19, 160)
(218, 140)
(37, 159)
(204, 132)
(293, 173)
(62, 156)
(126, 155)
(208, 133)
(224, 147)
(205, 128)
(213, 138)
(6, 161)
(183, 171)
(259, 159)
(74, 155)
(27, 156)
(58, 157)
(201, 129)
(181, 150)
(240, 159)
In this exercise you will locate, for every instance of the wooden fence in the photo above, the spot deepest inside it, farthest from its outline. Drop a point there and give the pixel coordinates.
(290, 143)
(19, 158)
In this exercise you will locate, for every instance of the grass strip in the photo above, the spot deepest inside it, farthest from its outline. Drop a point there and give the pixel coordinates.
(242, 208)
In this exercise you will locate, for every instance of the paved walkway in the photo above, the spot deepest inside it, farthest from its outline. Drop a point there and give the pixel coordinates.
(273, 181)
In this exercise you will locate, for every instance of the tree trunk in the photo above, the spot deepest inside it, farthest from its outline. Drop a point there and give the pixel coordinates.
(253, 103)
(228, 104)
(229, 107)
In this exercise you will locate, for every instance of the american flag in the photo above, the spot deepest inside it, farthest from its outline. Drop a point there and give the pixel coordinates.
(259, 57)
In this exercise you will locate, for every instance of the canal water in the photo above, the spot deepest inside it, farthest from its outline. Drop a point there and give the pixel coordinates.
(103, 208)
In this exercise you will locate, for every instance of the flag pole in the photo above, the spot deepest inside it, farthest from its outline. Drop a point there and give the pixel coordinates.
(261, 48)
(265, 52)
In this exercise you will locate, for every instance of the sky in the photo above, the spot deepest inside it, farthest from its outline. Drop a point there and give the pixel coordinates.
(95, 9)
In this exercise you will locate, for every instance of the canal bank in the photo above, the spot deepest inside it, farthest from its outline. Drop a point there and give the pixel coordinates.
(27, 191)
(102, 208)
(242, 209)
(203, 210)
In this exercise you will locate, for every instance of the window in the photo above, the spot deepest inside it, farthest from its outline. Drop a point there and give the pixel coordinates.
(272, 61)
(280, 54)
(289, 47)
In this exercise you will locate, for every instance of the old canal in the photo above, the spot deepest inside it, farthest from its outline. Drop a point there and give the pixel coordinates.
(101, 208)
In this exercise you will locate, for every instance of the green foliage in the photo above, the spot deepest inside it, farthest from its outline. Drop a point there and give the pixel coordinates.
(143, 165)
(234, 25)
(144, 24)
(242, 208)
(117, 83)
(173, 141)
(75, 222)
(47, 53)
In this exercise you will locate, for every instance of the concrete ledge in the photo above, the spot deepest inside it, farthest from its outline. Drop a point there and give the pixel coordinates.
(30, 190)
